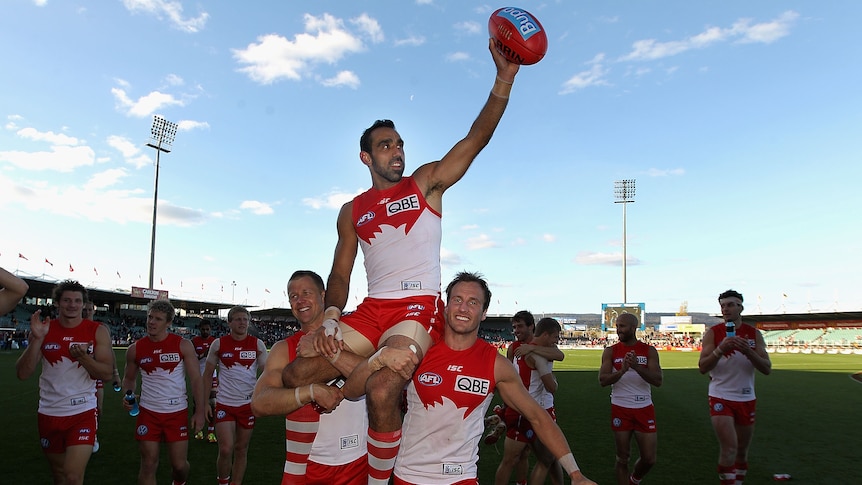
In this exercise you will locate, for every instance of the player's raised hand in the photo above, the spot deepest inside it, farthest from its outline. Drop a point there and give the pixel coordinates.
(505, 70)
(39, 326)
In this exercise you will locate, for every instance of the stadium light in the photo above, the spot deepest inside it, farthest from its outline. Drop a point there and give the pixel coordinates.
(624, 192)
(162, 136)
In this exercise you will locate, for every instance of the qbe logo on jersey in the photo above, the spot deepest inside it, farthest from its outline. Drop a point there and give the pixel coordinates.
(169, 357)
(248, 355)
(472, 385)
(411, 202)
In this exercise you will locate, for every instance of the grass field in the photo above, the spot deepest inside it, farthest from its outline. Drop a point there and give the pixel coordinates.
(808, 425)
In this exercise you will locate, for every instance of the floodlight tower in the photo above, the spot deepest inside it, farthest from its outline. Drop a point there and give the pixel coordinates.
(624, 192)
(162, 136)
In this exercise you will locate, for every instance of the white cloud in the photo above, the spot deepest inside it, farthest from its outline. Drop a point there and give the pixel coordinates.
(256, 207)
(448, 259)
(659, 172)
(343, 78)
(105, 179)
(131, 151)
(47, 136)
(742, 31)
(145, 105)
(189, 125)
(595, 76)
(171, 10)
(549, 238)
(590, 258)
(174, 80)
(468, 27)
(481, 241)
(60, 158)
(369, 26)
(332, 200)
(458, 56)
(412, 41)
(274, 57)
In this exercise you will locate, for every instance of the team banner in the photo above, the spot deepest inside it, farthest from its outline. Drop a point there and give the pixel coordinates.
(149, 293)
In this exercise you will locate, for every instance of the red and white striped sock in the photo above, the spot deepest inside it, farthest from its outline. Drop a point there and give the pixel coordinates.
(382, 449)
(300, 429)
(726, 475)
(741, 471)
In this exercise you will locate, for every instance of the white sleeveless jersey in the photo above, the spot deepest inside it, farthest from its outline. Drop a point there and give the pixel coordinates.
(631, 391)
(65, 386)
(163, 374)
(400, 237)
(447, 400)
(733, 375)
(342, 435)
(237, 362)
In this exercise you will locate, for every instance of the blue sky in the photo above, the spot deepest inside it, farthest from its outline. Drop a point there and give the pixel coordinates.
(739, 120)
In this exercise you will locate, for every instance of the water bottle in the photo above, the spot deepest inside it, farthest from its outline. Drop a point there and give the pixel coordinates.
(730, 329)
(130, 398)
(117, 386)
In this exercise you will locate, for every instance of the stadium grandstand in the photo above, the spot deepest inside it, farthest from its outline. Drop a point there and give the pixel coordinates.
(125, 314)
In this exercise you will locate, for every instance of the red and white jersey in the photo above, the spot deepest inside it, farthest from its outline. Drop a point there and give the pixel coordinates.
(534, 383)
(631, 391)
(163, 374)
(237, 362)
(342, 434)
(733, 376)
(400, 236)
(447, 400)
(202, 346)
(65, 386)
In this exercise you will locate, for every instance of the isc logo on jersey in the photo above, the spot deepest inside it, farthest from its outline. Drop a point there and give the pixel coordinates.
(472, 385)
(169, 357)
(248, 355)
(430, 379)
(411, 202)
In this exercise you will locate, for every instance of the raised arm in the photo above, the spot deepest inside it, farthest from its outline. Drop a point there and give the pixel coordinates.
(12, 289)
(29, 359)
(434, 178)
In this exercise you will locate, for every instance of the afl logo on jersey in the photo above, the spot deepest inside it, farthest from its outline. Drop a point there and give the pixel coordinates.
(430, 379)
(367, 217)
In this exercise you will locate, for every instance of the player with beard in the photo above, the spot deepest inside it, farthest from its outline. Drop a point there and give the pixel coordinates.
(631, 367)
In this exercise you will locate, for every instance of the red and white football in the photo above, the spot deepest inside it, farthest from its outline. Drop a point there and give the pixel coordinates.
(518, 35)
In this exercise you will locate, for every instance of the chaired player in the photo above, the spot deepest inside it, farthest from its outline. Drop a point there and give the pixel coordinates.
(397, 224)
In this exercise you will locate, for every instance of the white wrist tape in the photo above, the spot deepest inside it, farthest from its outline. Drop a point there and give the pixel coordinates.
(568, 463)
(374, 361)
(311, 391)
(331, 328)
